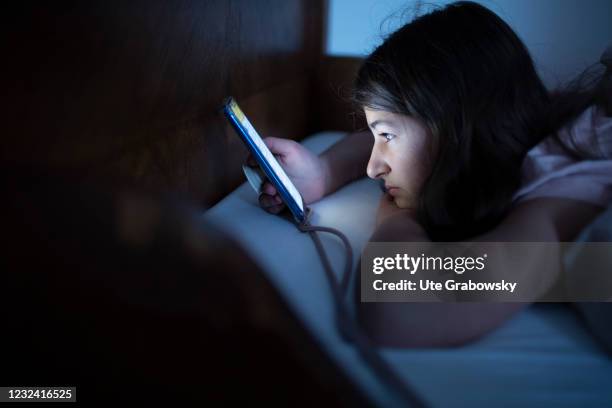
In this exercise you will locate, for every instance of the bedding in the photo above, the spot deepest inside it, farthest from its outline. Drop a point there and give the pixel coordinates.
(597, 315)
(549, 171)
(544, 356)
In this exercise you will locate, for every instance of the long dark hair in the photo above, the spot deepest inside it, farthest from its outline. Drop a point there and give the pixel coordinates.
(467, 76)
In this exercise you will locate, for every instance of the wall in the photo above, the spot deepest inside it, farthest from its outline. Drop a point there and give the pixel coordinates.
(130, 92)
(563, 36)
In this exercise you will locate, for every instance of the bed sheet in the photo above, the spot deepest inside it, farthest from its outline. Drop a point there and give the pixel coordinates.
(541, 357)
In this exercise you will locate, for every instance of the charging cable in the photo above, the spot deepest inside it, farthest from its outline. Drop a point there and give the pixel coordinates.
(348, 328)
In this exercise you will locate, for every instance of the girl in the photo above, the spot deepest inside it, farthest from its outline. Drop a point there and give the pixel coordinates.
(470, 145)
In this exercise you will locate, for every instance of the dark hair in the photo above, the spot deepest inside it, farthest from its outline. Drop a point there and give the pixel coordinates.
(467, 76)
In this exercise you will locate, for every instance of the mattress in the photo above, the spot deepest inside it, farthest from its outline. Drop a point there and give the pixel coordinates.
(543, 356)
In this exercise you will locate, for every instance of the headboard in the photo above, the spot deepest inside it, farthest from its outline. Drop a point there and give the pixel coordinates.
(129, 92)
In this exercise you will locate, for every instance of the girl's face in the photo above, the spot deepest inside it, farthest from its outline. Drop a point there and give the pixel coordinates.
(399, 156)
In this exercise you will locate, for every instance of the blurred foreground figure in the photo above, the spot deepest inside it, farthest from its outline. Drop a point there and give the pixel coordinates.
(132, 298)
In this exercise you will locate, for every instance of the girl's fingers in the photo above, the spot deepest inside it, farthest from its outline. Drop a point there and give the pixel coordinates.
(276, 209)
(268, 188)
(268, 201)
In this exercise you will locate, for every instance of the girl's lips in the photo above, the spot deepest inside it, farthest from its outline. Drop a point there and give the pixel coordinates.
(392, 190)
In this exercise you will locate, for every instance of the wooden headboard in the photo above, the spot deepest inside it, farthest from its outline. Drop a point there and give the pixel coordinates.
(129, 92)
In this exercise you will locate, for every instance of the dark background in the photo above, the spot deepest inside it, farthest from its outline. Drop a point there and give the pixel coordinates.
(111, 125)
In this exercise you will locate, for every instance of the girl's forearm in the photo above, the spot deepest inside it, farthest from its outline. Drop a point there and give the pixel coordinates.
(347, 160)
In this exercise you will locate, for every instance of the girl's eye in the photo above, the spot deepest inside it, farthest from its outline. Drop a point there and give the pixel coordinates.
(387, 136)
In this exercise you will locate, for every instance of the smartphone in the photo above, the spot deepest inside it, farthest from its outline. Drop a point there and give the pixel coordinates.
(266, 160)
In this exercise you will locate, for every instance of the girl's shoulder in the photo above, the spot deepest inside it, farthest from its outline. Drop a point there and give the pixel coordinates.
(549, 170)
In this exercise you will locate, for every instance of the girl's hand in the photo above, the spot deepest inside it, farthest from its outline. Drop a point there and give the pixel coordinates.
(388, 209)
(394, 224)
(307, 171)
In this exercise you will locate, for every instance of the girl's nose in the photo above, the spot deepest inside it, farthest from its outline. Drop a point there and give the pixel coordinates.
(377, 167)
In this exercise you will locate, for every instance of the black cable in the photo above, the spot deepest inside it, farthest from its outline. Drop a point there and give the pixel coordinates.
(347, 326)
(348, 265)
